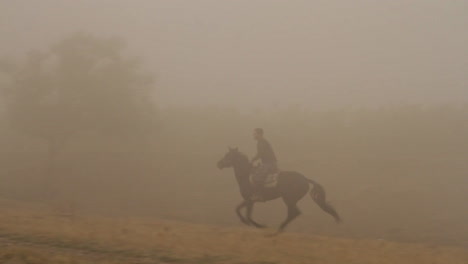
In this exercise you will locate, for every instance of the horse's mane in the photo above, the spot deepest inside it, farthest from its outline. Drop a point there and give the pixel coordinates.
(242, 156)
(243, 160)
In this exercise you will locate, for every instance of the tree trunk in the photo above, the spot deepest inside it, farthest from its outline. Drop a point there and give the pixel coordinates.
(50, 188)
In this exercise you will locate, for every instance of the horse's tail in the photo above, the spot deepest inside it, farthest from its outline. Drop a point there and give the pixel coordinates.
(319, 196)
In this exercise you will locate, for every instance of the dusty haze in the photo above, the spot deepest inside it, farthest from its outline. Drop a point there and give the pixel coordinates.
(312, 53)
(369, 98)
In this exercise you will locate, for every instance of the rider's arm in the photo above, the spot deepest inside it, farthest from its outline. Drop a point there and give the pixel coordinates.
(254, 159)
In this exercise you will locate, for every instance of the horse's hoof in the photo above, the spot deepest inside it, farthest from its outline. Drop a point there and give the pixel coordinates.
(259, 226)
(245, 222)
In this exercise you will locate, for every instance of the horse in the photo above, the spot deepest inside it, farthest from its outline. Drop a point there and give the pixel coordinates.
(291, 187)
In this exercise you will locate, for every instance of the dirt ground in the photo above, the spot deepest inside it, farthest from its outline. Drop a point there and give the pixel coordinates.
(35, 234)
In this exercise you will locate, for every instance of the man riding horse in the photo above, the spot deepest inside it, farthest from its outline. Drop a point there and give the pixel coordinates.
(269, 164)
(291, 186)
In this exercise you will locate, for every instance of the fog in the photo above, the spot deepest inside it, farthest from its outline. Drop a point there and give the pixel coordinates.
(124, 108)
(312, 53)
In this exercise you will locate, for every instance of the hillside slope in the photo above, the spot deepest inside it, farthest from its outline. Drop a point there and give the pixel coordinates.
(37, 234)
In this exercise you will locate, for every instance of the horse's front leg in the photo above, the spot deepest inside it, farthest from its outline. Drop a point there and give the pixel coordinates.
(250, 206)
(239, 214)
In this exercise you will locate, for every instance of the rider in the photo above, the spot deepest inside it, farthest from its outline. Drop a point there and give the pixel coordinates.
(266, 154)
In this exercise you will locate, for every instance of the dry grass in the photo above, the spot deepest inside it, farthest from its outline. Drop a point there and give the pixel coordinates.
(35, 235)
(25, 255)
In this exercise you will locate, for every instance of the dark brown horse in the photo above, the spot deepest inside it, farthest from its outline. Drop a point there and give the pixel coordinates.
(291, 187)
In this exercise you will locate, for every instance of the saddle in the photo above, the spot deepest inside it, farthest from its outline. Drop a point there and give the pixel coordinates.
(270, 181)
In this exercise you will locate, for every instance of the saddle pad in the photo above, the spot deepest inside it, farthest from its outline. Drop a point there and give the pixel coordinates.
(270, 181)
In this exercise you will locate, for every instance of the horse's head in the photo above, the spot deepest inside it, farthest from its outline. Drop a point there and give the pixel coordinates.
(229, 158)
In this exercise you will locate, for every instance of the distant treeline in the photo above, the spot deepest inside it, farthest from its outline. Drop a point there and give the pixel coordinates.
(188, 141)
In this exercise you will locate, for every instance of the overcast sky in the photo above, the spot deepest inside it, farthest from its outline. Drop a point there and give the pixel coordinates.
(316, 53)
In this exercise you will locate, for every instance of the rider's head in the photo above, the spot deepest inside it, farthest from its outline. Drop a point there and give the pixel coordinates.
(258, 133)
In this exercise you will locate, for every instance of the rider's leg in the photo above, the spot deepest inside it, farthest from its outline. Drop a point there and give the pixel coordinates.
(259, 180)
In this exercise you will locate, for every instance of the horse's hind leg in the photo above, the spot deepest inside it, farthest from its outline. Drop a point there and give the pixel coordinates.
(293, 212)
(249, 216)
(239, 214)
